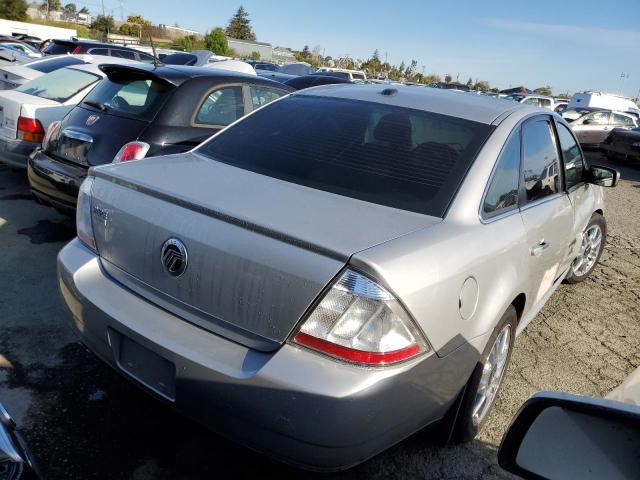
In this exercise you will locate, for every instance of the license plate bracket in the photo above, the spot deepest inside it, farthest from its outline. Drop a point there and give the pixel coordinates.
(145, 366)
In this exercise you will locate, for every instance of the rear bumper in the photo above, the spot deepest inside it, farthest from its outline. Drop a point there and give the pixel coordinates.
(16, 152)
(53, 182)
(292, 404)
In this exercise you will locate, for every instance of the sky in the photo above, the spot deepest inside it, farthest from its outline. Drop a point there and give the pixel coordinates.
(571, 45)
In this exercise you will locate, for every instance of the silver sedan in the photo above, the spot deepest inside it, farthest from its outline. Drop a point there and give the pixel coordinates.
(337, 270)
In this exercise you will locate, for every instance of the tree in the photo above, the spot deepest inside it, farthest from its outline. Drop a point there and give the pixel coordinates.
(13, 9)
(70, 9)
(84, 10)
(216, 41)
(51, 6)
(447, 78)
(138, 20)
(546, 90)
(255, 55)
(239, 26)
(103, 24)
(470, 82)
(482, 86)
(190, 42)
(131, 30)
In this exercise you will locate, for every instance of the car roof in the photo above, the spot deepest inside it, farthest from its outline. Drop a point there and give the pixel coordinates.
(98, 60)
(477, 108)
(178, 74)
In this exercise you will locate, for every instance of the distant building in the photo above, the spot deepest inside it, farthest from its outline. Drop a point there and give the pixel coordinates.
(282, 55)
(177, 32)
(244, 48)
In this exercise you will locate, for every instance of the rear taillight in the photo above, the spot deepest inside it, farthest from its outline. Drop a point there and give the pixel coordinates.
(131, 151)
(359, 321)
(76, 50)
(84, 223)
(52, 131)
(30, 130)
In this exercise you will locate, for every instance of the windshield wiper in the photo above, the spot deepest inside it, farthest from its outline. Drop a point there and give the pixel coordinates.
(98, 105)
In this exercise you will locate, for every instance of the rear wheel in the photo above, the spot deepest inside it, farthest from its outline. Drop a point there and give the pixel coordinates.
(486, 379)
(593, 240)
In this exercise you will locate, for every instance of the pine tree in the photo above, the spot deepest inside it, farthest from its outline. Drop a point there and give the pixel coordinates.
(239, 26)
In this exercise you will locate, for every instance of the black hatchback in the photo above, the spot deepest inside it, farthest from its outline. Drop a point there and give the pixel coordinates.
(141, 111)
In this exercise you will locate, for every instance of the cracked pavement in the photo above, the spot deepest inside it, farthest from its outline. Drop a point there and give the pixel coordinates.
(84, 421)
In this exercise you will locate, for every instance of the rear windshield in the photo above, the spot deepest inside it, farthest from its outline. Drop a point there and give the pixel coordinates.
(130, 96)
(55, 48)
(50, 64)
(60, 85)
(398, 157)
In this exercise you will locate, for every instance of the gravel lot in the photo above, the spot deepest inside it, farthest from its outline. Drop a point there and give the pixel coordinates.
(82, 420)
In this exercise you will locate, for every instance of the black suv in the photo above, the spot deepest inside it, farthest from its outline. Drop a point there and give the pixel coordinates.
(62, 47)
(140, 111)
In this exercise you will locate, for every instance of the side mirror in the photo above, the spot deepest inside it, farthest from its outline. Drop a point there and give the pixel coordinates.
(603, 176)
(560, 435)
(588, 121)
(15, 461)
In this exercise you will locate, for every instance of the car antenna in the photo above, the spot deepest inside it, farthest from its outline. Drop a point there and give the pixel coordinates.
(153, 49)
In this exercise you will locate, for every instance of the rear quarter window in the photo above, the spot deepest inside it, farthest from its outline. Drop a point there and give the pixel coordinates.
(398, 157)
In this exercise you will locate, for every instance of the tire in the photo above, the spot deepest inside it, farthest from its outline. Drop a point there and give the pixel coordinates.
(467, 426)
(578, 271)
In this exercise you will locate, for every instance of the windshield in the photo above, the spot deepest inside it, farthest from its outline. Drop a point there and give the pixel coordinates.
(407, 159)
(515, 97)
(575, 113)
(51, 64)
(59, 85)
(57, 48)
(129, 96)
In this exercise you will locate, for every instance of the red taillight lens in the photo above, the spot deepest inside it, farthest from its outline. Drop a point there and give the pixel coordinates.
(30, 130)
(359, 321)
(131, 151)
(76, 50)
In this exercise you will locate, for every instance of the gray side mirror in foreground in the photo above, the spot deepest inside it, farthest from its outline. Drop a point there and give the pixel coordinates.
(603, 176)
(564, 436)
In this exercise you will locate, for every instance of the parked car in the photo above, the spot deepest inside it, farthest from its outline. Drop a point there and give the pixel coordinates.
(10, 55)
(27, 111)
(592, 129)
(23, 47)
(141, 111)
(532, 99)
(313, 81)
(297, 68)
(276, 76)
(336, 270)
(16, 75)
(271, 67)
(622, 143)
(74, 47)
(16, 462)
(560, 105)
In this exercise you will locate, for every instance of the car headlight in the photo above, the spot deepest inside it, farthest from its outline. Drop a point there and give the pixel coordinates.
(84, 223)
(359, 321)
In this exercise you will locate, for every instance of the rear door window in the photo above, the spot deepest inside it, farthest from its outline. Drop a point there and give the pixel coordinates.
(262, 95)
(51, 64)
(59, 85)
(99, 51)
(115, 52)
(623, 120)
(502, 194)
(130, 96)
(540, 160)
(532, 101)
(221, 107)
(597, 118)
(398, 157)
(572, 157)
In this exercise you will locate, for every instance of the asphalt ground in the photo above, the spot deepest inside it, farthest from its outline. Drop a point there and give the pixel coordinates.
(82, 420)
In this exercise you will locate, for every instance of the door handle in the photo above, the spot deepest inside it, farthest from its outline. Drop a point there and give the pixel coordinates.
(538, 249)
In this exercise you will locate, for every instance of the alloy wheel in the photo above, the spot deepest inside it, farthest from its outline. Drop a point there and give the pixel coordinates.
(492, 374)
(589, 251)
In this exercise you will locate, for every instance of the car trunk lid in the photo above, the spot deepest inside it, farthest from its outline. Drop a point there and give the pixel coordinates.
(259, 250)
(14, 104)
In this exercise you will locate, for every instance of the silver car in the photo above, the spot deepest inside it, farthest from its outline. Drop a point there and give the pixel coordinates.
(337, 270)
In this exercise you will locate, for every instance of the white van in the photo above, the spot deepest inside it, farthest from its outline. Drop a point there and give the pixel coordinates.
(603, 100)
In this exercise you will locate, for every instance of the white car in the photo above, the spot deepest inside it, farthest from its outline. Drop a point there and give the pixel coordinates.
(12, 76)
(533, 100)
(27, 111)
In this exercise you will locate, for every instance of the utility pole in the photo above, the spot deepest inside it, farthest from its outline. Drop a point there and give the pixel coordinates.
(103, 13)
